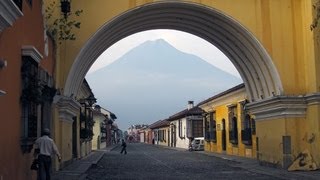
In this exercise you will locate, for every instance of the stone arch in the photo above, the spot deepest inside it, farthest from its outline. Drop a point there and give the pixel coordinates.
(255, 66)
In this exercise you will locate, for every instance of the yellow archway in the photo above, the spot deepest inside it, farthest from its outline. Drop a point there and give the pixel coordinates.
(283, 90)
(243, 49)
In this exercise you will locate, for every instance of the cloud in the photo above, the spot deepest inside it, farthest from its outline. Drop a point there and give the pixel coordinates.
(183, 41)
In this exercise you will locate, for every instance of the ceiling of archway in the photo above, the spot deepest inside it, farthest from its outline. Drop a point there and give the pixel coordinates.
(238, 44)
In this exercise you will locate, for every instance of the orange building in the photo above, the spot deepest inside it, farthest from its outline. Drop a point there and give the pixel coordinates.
(26, 83)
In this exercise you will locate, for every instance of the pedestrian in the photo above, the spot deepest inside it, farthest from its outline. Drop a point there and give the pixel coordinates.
(44, 149)
(124, 147)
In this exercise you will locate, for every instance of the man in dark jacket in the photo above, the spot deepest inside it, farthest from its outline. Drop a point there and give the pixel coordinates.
(124, 147)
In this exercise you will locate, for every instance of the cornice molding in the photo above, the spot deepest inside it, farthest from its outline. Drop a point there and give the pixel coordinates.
(2, 93)
(32, 52)
(9, 13)
(313, 99)
(67, 107)
(278, 107)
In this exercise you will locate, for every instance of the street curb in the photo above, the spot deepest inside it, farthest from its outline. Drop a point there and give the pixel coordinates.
(83, 165)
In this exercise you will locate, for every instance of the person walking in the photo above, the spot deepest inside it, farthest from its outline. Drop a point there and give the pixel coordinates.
(44, 149)
(124, 147)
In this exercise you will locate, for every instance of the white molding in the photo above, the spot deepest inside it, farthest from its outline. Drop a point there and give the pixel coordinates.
(313, 99)
(32, 52)
(278, 107)
(2, 92)
(9, 13)
(67, 107)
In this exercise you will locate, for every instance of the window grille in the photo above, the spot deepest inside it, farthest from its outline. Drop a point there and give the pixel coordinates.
(197, 126)
(30, 98)
(233, 125)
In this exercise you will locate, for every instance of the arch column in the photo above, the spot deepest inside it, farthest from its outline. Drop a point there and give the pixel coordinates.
(66, 108)
(286, 126)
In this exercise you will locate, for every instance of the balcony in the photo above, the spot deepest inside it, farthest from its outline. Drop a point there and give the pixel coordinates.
(246, 137)
(10, 11)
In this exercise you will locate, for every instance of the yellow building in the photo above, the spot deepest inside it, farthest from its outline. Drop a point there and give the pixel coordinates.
(269, 42)
(99, 128)
(228, 126)
(86, 122)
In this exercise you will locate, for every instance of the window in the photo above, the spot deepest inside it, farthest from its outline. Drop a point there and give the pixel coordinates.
(197, 126)
(212, 130)
(207, 127)
(30, 99)
(103, 131)
(233, 125)
(180, 129)
(162, 135)
(155, 134)
(246, 135)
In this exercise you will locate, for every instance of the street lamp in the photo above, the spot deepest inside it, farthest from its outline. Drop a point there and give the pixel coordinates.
(65, 7)
(91, 100)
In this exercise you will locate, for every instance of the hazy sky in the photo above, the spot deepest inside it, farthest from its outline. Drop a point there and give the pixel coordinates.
(182, 41)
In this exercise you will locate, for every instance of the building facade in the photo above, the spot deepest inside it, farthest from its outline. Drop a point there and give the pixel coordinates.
(104, 130)
(228, 126)
(86, 123)
(185, 126)
(160, 132)
(27, 86)
(99, 129)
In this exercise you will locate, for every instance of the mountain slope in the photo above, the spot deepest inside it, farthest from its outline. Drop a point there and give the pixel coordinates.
(155, 80)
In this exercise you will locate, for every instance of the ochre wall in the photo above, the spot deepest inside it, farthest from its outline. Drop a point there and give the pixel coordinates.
(281, 26)
(220, 107)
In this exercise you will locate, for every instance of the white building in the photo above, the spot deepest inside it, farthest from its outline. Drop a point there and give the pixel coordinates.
(185, 126)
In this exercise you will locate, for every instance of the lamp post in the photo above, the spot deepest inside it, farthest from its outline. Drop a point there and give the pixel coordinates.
(91, 100)
(65, 7)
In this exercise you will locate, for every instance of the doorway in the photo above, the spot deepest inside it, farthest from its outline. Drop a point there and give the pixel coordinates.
(224, 135)
(74, 137)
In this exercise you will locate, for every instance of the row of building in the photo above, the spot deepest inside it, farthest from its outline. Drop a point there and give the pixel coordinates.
(222, 120)
(31, 100)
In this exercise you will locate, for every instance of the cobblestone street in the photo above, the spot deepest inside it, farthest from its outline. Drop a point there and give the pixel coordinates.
(153, 162)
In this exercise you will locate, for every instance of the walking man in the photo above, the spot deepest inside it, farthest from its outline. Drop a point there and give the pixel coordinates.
(124, 147)
(44, 149)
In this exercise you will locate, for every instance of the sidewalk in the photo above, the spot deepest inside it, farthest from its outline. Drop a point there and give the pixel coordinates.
(77, 169)
(253, 165)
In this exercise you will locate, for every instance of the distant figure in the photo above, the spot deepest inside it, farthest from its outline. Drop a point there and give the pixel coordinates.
(152, 141)
(44, 149)
(124, 147)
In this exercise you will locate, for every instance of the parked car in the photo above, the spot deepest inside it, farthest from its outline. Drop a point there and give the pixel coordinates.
(198, 144)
